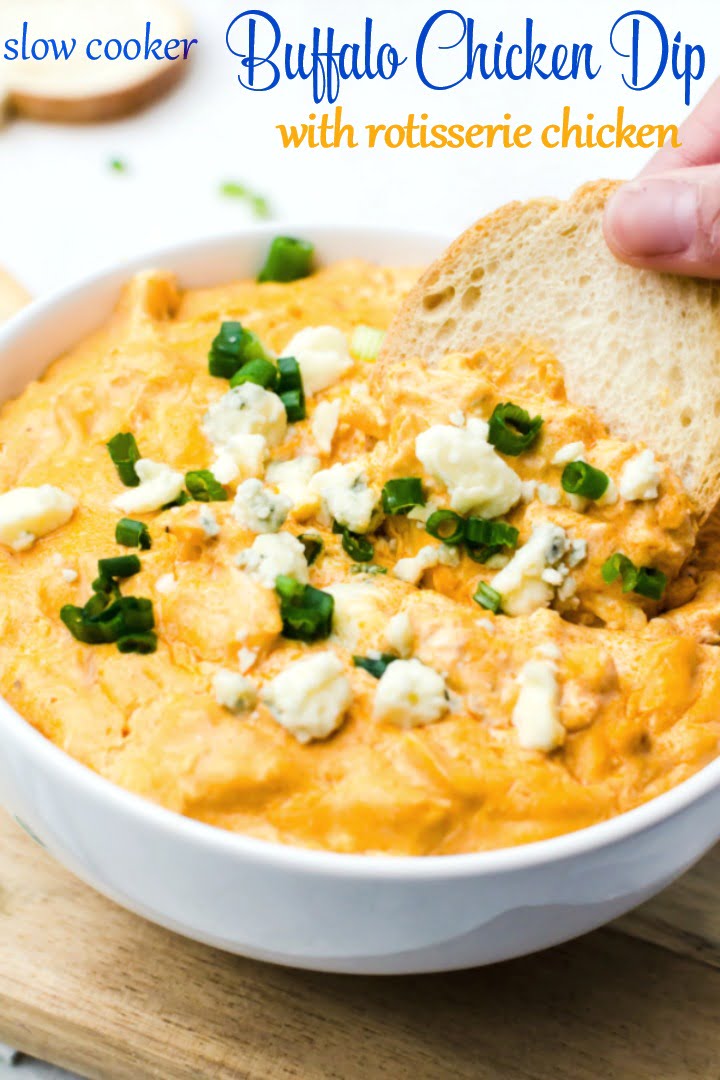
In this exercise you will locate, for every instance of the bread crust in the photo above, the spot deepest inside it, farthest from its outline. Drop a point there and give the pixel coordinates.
(541, 269)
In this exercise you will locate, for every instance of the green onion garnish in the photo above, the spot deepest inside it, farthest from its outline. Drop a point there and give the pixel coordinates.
(121, 566)
(511, 431)
(181, 500)
(127, 615)
(487, 597)
(131, 533)
(203, 486)
(579, 478)
(232, 348)
(357, 547)
(290, 388)
(259, 205)
(366, 343)
(313, 545)
(124, 453)
(288, 260)
(306, 612)
(118, 165)
(642, 580)
(375, 666)
(364, 568)
(399, 496)
(143, 642)
(447, 526)
(483, 538)
(257, 371)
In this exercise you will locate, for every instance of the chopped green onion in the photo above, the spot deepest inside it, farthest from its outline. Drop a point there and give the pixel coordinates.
(313, 545)
(81, 626)
(258, 371)
(487, 597)
(181, 500)
(447, 526)
(400, 496)
(259, 205)
(288, 260)
(650, 583)
(366, 342)
(365, 568)
(131, 533)
(375, 666)
(142, 642)
(306, 612)
(294, 402)
(579, 478)
(290, 388)
(121, 566)
(483, 538)
(357, 547)
(232, 348)
(124, 453)
(511, 431)
(203, 486)
(641, 580)
(118, 165)
(126, 615)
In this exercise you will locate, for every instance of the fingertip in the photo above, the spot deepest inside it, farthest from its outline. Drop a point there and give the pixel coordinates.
(650, 218)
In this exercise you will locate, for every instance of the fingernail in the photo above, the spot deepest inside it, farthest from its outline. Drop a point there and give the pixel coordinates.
(654, 216)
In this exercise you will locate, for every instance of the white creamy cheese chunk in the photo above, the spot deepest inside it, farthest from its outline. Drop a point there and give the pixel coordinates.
(410, 694)
(310, 697)
(241, 426)
(234, 692)
(260, 509)
(208, 523)
(243, 456)
(27, 513)
(166, 584)
(273, 554)
(324, 424)
(322, 354)
(399, 634)
(640, 478)
(521, 584)
(357, 611)
(346, 495)
(536, 715)
(159, 485)
(292, 479)
(462, 459)
(574, 451)
(427, 558)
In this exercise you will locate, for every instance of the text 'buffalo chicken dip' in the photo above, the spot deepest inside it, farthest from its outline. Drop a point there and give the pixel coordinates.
(412, 608)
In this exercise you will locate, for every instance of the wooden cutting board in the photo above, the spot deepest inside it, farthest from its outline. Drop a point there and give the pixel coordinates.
(91, 987)
(88, 986)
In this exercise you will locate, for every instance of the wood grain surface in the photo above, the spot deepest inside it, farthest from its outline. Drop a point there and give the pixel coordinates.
(86, 985)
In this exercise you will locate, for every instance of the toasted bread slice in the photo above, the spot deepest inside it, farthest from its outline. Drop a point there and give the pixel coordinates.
(642, 349)
(79, 89)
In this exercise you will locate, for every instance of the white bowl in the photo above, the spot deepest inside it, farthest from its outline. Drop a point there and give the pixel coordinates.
(313, 909)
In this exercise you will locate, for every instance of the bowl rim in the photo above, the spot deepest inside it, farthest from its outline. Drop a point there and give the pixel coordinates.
(55, 761)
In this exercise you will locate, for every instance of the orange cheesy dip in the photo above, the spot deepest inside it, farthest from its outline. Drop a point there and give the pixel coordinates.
(265, 581)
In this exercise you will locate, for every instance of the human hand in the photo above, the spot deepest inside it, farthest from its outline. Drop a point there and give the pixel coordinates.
(669, 217)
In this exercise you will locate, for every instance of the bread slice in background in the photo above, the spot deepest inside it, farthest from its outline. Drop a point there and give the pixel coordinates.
(79, 89)
(642, 349)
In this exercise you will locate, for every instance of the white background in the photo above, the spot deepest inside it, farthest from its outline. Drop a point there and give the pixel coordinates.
(64, 213)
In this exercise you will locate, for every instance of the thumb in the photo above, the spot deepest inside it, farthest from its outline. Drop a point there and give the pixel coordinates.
(668, 221)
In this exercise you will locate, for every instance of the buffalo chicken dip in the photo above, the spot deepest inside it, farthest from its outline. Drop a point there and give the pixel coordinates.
(254, 574)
